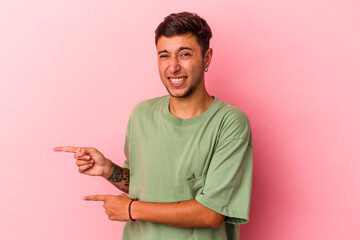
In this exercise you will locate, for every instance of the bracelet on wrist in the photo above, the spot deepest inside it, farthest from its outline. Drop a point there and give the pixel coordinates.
(132, 200)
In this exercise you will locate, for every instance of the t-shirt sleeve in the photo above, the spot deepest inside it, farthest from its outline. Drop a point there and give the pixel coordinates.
(127, 143)
(126, 152)
(228, 181)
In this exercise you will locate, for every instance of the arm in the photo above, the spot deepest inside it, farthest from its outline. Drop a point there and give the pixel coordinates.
(119, 177)
(93, 163)
(186, 214)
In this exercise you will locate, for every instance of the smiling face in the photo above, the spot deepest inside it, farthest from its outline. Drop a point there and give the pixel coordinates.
(181, 64)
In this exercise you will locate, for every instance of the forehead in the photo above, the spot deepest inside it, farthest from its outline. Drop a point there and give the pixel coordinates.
(175, 42)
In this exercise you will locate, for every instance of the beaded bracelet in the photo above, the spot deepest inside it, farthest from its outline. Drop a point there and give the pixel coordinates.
(132, 200)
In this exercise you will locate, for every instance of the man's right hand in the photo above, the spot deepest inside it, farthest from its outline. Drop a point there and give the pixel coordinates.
(89, 160)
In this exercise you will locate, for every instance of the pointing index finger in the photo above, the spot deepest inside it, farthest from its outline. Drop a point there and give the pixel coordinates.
(95, 198)
(66, 149)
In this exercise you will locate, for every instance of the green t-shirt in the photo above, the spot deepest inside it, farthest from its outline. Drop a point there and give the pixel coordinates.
(207, 158)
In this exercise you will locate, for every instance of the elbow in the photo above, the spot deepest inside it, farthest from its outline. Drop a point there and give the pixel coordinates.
(216, 224)
(209, 218)
(214, 221)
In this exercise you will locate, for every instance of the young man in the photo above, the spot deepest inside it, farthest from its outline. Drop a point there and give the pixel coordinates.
(189, 155)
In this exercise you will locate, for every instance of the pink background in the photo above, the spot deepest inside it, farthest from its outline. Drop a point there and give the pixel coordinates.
(71, 71)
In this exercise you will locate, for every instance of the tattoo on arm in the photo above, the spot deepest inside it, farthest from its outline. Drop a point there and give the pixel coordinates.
(119, 175)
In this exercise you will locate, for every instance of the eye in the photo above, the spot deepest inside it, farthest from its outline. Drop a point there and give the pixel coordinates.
(163, 56)
(185, 54)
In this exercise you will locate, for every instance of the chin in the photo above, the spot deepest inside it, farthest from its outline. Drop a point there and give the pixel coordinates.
(177, 95)
(184, 94)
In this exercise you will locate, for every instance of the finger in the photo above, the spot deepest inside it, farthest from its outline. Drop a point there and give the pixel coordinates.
(80, 155)
(85, 157)
(80, 151)
(95, 198)
(66, 149)
(83, 168)
(84, 162)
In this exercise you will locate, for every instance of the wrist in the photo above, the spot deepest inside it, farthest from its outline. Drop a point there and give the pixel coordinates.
(108, 168)
(131, 209)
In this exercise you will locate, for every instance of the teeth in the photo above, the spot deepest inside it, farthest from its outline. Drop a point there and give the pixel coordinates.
(177, 80)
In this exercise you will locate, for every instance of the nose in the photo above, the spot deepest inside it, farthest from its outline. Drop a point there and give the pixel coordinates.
(174, 65)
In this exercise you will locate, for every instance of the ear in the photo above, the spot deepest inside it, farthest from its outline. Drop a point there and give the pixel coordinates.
(207, 57)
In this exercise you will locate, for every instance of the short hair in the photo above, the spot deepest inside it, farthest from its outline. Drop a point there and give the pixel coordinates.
(183, 23)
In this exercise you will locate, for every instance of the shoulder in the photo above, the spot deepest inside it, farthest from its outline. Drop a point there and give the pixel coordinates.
(234, 122)
(149, 105)
(232, 113)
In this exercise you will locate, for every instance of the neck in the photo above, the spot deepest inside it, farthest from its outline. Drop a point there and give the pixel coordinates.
(190, 106)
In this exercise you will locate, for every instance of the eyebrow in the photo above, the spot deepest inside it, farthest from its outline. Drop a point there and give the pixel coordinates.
(163, 51)
(179, 50)
(185, 48)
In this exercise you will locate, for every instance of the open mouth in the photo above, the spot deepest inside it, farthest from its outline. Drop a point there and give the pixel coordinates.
(177, 80)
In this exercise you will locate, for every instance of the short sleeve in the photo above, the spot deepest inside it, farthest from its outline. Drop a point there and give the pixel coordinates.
(126, 151)
(127, 143)
(228, 181)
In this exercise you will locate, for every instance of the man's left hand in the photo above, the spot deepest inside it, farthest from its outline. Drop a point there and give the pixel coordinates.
(116, 207)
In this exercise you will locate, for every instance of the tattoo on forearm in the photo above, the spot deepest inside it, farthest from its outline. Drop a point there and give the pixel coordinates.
(126, 176)
(120, 174)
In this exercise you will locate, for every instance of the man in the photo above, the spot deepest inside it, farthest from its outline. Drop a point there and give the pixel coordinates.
(189, 155)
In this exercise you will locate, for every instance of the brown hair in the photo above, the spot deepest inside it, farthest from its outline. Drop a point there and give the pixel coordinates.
(183, 23)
